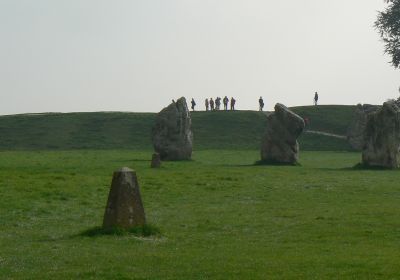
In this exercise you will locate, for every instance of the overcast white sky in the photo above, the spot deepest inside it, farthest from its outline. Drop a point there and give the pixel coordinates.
(131, 55)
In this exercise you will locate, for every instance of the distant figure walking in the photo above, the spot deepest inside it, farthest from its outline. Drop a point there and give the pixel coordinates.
(206, 104)
(225, 100)
(218, 103)
(316, 98)
(193, 104)
(261, 103)
(233, 102)
(211, 104)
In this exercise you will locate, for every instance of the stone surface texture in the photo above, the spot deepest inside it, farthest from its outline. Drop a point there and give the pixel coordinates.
(279, 143)
(124, 206)
(382, 137)
(172, 133)
(156, 161)
(355, 132)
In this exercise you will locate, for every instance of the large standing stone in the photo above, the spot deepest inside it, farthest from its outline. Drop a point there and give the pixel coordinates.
(279, 144)
(382, 137)
(124, 206)
(172, 133)
(355, 132)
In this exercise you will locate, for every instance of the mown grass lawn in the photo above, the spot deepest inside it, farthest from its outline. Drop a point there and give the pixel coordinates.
(220, 217)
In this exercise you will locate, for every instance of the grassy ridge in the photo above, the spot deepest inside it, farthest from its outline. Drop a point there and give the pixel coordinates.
(228, 130)
(116, 130)
(76, 131)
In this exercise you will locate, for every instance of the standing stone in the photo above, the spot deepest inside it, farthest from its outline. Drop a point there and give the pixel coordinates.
(355, 132)
(279, 144)
(156, 161)
(382, 137)
(124, 206)
(172, 133)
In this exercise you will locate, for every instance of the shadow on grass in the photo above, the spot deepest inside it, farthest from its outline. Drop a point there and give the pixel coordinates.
(178, 160)
(275, 163)
(130, 160)
(261, 163)
(236, 165)
(359, 167)
(139, 231)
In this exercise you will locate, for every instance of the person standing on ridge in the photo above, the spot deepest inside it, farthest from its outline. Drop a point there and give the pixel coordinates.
(316, 98)
(206, 104)
(217, 103)
(225, 100)
(211, 104)
(193, 104)
(233, 102)
(261, 103)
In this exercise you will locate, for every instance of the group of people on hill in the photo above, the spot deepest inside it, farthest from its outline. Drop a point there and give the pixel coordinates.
(212, 105)
(215, 105)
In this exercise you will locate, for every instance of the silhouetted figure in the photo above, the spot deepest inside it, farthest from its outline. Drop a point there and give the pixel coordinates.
(217, 103)
(193, 104)
(261, 103)
(233, 102)
(206, 103)
(316, 98)
(225, 100)
(211, 104)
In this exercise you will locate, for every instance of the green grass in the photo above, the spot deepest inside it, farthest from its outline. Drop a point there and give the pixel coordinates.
(117, 130)
(315, 142)
(327, 118)
(228, 130)
(219, 216)
(56, 131)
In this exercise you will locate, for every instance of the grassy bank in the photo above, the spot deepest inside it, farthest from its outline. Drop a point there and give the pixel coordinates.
(117, 130)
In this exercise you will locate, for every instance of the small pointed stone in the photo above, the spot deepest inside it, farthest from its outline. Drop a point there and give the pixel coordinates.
(124, 206)
(156, 161)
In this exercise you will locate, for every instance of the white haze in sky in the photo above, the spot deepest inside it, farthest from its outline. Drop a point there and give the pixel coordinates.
(131, 55)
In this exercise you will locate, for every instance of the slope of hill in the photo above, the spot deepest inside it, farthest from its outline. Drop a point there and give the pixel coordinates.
(119, 130)
(76, 131)
(327, 118)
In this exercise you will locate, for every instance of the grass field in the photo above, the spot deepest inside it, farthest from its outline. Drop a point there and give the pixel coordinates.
(220, 217)
(120, 130)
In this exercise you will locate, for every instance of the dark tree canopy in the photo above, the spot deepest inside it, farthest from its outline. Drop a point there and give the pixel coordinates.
(388, 24)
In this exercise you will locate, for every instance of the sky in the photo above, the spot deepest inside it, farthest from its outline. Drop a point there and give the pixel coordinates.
(138, 55)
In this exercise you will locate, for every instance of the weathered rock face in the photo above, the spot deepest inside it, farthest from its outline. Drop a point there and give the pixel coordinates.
(124, 206)
(156, 161)
(382, 137)
(279, 144)
(172, 133)
(355, 132)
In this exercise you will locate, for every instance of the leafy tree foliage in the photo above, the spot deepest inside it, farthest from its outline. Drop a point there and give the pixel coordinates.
(388, 24)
